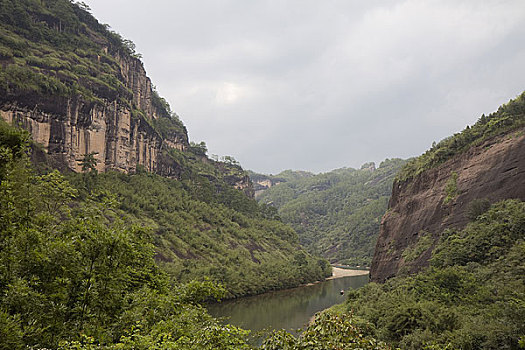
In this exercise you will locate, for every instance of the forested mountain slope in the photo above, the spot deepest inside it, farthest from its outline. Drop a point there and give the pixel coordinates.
(439, 190)
(472, 296)
(336, 214)
(450, 253)
(82, 93)
(75, 273)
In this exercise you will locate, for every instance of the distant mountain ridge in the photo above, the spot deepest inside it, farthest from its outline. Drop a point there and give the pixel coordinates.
(336, 214)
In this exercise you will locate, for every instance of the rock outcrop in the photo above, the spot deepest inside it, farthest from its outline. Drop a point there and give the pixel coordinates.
(439, 198)
(120, 133)
(82, 92)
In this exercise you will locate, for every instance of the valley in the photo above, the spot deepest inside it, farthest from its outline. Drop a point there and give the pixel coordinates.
(117, 231)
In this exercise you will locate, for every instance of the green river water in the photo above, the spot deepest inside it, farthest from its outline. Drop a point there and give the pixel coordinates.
(289, 309)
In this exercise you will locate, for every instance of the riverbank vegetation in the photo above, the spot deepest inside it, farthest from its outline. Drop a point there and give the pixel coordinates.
(90, 260)
(199, 232)
(200, 227)
(471, 297)
(75, 275)
(336, 214)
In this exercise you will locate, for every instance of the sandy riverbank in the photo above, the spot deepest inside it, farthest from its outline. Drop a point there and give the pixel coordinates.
(338, 273)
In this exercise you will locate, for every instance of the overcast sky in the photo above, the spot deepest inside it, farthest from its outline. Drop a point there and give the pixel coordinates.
(325, 84)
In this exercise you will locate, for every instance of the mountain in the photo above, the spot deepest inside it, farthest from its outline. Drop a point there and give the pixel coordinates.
(82, 93)
(335, 214)
(262, 182)
(450, 256)
(80, 88)
(443, 188)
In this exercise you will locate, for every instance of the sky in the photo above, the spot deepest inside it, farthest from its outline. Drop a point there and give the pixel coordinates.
(325, 84)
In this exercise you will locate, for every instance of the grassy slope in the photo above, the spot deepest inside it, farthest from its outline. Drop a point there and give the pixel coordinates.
(199, 233)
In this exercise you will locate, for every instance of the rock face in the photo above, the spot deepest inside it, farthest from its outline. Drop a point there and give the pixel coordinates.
(262, 185)
(68, 128)
(81, 90)
(425, 206)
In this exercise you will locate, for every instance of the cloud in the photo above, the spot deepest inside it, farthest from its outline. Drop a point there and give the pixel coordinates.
(318, 85)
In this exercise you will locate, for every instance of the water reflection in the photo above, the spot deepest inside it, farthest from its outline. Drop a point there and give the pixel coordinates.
(289, 309)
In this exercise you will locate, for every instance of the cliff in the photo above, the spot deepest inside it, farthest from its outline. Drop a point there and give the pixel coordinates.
(425, 202)
(119, 140)
(80, 89)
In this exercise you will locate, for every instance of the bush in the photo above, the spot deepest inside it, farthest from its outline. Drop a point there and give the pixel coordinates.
(476, 208)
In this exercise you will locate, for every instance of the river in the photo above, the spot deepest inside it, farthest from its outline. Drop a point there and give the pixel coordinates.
(288, 309)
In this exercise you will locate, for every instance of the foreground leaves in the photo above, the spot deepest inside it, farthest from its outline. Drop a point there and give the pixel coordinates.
(328, 331)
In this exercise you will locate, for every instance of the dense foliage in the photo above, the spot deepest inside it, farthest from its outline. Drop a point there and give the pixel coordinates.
(472, 296)
(508, 117)
(336, 214)
(327, 331)
(75, 275)
(201, 232)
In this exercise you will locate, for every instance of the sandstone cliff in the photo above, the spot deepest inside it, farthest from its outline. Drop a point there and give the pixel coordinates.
(422, 207)
(80, 89)
(69, 127)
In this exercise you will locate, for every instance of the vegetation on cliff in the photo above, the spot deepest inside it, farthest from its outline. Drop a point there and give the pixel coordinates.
(508, 117)
(336, 214)
(75, 274)
(53, 51)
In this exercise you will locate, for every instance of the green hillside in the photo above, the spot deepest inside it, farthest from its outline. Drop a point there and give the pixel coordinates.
(55, 50)
(471, 297)
(87, 255)
(336, 214)
(508, 117)
(199, 232)
(76, 274)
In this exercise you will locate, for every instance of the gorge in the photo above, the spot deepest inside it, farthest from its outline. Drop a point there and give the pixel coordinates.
(116, 229)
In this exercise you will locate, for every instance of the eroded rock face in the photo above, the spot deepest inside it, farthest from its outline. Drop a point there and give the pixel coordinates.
(71, 128)
(419, 207)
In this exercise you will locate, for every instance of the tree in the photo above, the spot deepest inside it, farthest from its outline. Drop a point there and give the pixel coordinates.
(88, 162)
(229, 160)
(198, 149)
